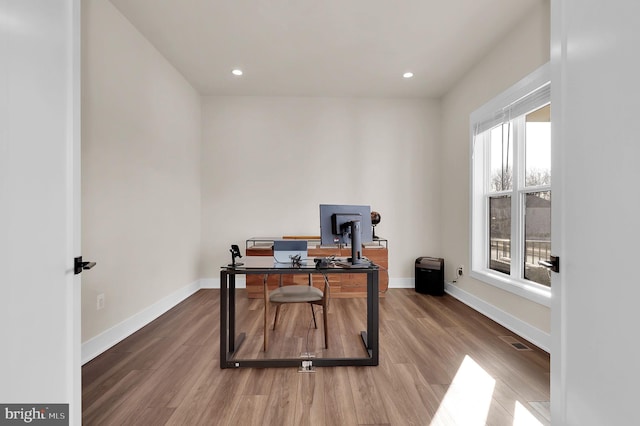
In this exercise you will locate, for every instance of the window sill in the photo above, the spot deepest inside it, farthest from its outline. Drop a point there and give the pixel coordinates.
(533, 292)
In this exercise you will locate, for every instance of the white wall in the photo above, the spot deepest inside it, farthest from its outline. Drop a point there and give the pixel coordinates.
(595, 371)
(519, 53)
(268, 162)
(141, 133)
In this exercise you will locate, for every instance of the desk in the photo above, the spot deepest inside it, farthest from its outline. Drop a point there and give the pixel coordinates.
(342, 286)
(261, 265)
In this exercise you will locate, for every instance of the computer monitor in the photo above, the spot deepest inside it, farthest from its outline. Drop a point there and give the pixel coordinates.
(346, 224)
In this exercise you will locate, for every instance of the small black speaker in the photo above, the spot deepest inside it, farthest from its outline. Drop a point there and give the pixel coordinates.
(430, 276)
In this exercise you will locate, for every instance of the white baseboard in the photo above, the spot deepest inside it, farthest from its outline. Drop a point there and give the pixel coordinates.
(521, 328)
(401, 282)
(103, 341)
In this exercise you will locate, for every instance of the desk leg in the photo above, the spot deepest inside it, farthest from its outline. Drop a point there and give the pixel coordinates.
(373, 297)
(223, 319)
(265, 286)
(228, 343)
(232, 313)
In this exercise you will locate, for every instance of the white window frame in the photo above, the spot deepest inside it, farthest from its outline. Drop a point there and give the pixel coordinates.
(530, 93)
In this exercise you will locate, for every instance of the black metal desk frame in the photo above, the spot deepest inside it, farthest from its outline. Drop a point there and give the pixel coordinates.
(229, 344)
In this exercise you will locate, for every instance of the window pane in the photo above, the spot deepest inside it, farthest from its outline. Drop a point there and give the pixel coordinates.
(501, 158)
(537, 236)
(538, 147)
(500, 234)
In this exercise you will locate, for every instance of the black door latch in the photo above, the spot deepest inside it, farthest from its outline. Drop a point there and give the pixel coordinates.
(79, 265)
(554, 265)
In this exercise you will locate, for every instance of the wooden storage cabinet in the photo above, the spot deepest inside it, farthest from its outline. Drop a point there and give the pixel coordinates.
(342, 285)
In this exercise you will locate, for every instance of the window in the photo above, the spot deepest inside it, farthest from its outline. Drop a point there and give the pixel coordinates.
(511, 189)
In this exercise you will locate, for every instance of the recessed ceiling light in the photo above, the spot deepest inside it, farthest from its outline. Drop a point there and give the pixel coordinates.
(407, 75)
(237, 72)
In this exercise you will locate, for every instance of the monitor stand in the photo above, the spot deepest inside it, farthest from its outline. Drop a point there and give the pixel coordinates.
(356, 246)
(362, 264)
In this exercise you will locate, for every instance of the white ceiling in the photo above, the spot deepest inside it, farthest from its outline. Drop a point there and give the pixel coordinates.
(324, 47)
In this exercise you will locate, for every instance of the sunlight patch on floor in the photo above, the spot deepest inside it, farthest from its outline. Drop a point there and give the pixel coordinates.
(468, 398)
(523, 417)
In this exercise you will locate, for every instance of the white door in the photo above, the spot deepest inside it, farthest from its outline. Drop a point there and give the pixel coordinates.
(596, 134)
(40, 203)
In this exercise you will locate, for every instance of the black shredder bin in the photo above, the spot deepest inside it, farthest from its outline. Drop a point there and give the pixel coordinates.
(430, 275)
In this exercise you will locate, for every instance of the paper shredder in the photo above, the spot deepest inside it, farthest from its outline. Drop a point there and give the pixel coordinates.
(430, 276)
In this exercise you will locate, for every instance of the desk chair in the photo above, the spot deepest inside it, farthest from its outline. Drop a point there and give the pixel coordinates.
(297, 294)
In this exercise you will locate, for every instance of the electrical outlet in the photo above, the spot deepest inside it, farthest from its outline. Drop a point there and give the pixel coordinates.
(460, 270)
(100, 301)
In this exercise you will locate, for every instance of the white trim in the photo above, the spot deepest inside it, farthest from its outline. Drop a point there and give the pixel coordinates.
(522, 88)
(105, 340)
(401, 282)
(521, 328)
(75, 188)
(531, 291)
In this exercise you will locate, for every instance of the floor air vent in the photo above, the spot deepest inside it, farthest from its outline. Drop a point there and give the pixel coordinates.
(513, 342)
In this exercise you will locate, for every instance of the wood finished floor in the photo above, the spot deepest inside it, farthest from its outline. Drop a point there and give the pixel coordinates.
(441, 363)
